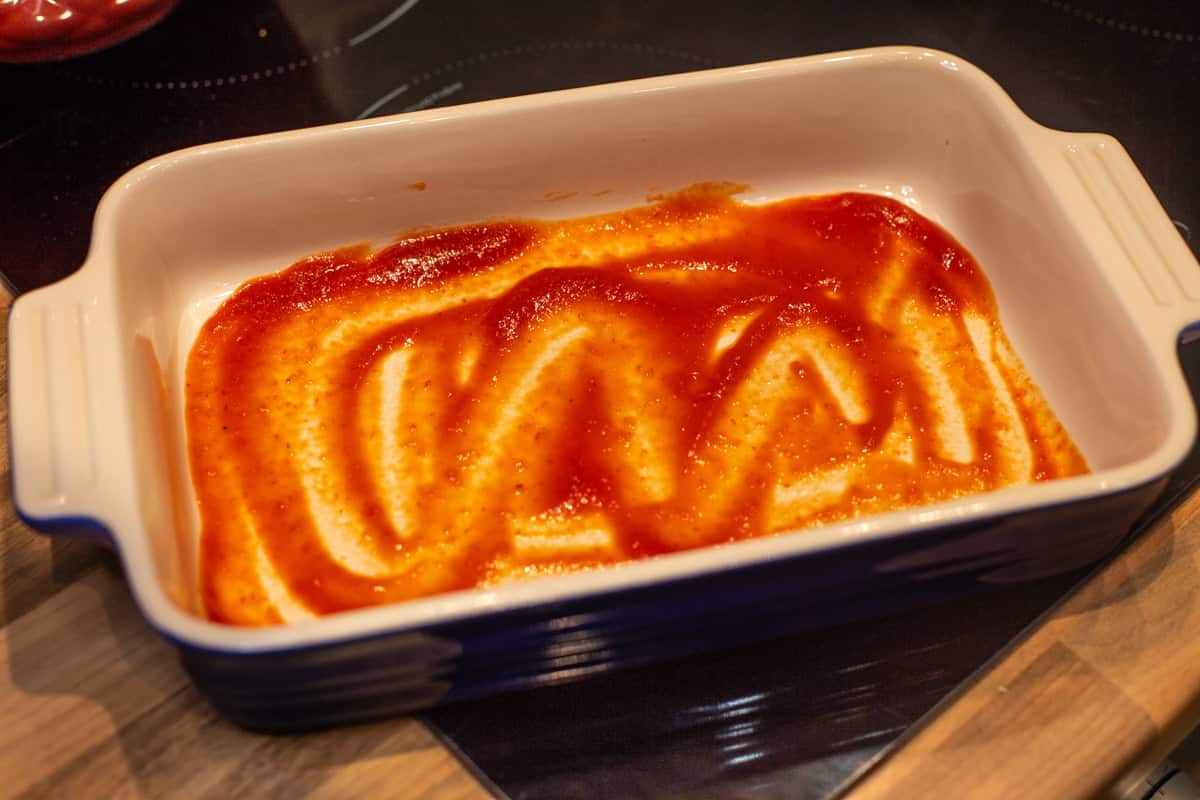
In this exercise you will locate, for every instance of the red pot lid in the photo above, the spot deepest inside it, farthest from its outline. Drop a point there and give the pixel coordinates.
(44, 30)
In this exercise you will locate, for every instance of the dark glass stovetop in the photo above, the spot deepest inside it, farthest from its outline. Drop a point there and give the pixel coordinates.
(792, 718)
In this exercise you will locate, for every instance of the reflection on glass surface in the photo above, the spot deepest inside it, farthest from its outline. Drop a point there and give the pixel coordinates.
(794, 717)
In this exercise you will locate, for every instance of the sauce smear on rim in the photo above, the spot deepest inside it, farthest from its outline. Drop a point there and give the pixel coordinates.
(478, 404)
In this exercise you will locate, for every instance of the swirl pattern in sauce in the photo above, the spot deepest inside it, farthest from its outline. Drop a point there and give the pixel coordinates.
(477, 404)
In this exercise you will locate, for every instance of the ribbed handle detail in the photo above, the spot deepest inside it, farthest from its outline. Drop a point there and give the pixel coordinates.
(1148, 240)
(55, 338)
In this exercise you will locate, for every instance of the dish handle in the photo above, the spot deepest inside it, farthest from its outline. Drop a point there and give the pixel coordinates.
(1146, 252)
(65, 429)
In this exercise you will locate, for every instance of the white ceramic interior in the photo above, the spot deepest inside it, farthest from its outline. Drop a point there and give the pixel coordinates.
(1093, 282)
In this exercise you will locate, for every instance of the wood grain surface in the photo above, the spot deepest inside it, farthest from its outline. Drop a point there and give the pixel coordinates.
(1090, 701)
(94, 704)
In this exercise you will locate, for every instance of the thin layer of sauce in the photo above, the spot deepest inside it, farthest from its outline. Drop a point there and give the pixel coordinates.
(512, 399)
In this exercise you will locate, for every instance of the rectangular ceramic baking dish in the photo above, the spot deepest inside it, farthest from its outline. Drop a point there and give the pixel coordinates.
(1093, 282)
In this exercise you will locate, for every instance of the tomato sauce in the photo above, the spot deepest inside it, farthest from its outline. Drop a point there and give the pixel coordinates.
(511, 399)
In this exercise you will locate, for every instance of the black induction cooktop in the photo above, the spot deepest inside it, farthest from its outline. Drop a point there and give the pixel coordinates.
(792, 718)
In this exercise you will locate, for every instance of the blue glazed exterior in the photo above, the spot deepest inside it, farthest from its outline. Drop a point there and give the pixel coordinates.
(405, 671)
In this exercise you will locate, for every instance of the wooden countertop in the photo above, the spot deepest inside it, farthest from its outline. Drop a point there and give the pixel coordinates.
(92, 703)
(1091, 699)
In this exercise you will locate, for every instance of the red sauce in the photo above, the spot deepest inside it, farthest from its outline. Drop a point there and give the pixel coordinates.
(520, 398)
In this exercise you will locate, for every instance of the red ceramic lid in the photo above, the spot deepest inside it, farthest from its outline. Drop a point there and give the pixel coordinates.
(43, 30)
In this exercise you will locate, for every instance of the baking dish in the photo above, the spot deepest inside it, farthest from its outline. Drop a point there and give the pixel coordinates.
(1093, 282)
